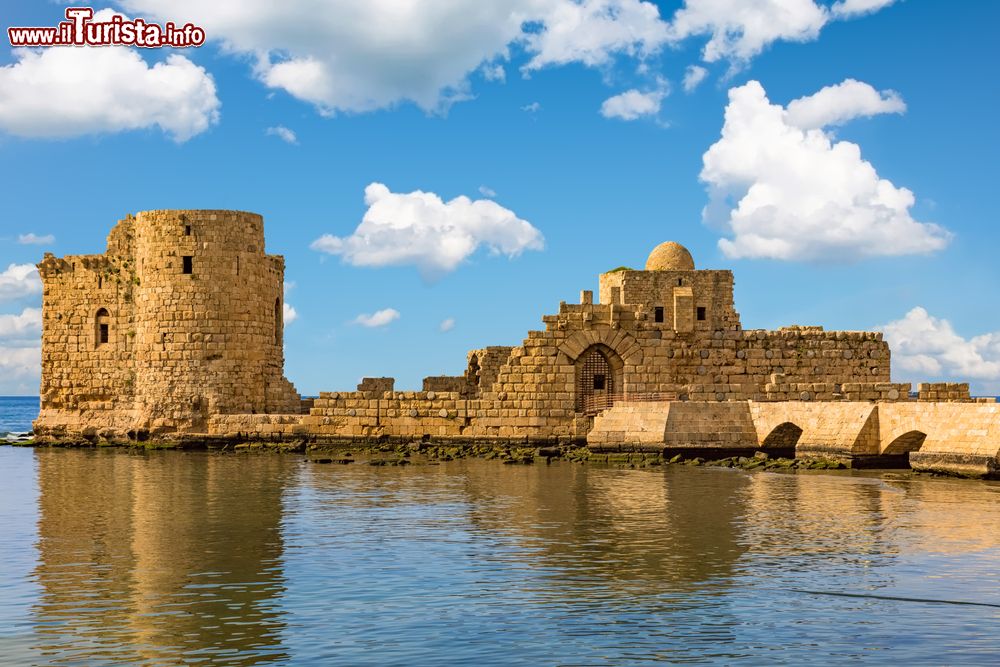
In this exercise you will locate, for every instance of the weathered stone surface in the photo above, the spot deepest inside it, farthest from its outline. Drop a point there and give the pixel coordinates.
(177, 330)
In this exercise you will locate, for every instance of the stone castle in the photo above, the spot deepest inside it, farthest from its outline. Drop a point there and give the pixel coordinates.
(175, 333)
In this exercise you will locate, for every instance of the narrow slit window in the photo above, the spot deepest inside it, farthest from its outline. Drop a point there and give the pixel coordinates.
(187, 230)
(658, 313)
(188, 264)
(701, 313)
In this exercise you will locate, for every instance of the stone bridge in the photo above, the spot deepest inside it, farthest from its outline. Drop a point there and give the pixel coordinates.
(954, 437)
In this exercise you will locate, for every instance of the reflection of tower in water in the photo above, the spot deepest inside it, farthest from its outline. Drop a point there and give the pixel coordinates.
(159, 558)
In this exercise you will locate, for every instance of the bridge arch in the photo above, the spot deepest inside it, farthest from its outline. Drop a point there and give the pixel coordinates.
(908, 442)
(783, 436)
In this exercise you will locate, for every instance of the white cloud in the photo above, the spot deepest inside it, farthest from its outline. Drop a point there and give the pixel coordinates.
(448, 324)
(20, 352)
(33, 239)
(837, 104)
(633, 104)
(925, 347)
(20, 369)
(792, 194)
(379, 318)
(592, 31)
(289, 314)
(363, 56)
(852, 8)
(63, 92)
(420, 229)
(494, 72)
(487, 191)
(532, 108)
(18, 281)
(283, 133)
(738, 30)
(693, 76)
(28, 323)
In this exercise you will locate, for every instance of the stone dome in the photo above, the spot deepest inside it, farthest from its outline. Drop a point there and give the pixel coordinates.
(670, 256)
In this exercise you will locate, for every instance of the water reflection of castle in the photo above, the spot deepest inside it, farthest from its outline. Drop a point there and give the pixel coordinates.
(152, 559)
(160, 558)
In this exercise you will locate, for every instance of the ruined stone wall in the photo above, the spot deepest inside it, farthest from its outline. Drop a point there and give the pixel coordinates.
(186, 338)
(458, 384)
(80, 374)
(483, 365)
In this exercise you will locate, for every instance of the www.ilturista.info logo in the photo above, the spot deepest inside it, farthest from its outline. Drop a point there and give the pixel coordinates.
(80, 30)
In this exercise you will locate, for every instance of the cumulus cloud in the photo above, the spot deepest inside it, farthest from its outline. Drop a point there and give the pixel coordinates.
(591, 31)
(379, 318)
(20, 369)
(283, 133)
(788, 193)
(19, 281)
(20, 352)
(835, 105)
(289, 314)
(487, 191)
(448, 324)
(633, 104)
(420, 229)
(64, 92)
(28, 323)
(363, 56)
(739, 30)
(693, 76)
(925, 347)
(33, 239)
(852, 8)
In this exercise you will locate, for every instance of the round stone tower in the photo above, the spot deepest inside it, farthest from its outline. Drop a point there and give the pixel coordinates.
(208, 319)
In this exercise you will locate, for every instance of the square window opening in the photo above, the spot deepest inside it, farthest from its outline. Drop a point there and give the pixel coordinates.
(658, 313)
(701, 313)
(599, 381)
(188, 264)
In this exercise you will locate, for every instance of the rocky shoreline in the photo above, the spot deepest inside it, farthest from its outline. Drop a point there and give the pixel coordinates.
(429, 453)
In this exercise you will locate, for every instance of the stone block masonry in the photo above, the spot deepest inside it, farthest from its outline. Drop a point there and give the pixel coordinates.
(179, 320)
(176, 331)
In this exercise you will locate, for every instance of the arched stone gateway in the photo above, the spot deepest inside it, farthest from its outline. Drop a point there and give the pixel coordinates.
(598, 378)
(783, 436)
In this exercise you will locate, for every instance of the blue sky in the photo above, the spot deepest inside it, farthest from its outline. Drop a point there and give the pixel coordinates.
(366, 105)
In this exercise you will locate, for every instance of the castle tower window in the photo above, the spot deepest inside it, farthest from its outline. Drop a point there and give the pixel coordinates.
(188, 264)
(100, 282)
(658, 314)
(187, 230)
(102, 330)
(701, 313)
(277, 322)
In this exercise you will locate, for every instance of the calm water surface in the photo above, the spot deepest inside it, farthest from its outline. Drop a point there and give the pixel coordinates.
(168, 557)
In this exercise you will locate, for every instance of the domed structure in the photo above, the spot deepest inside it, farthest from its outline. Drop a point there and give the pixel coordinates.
(670, 256)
